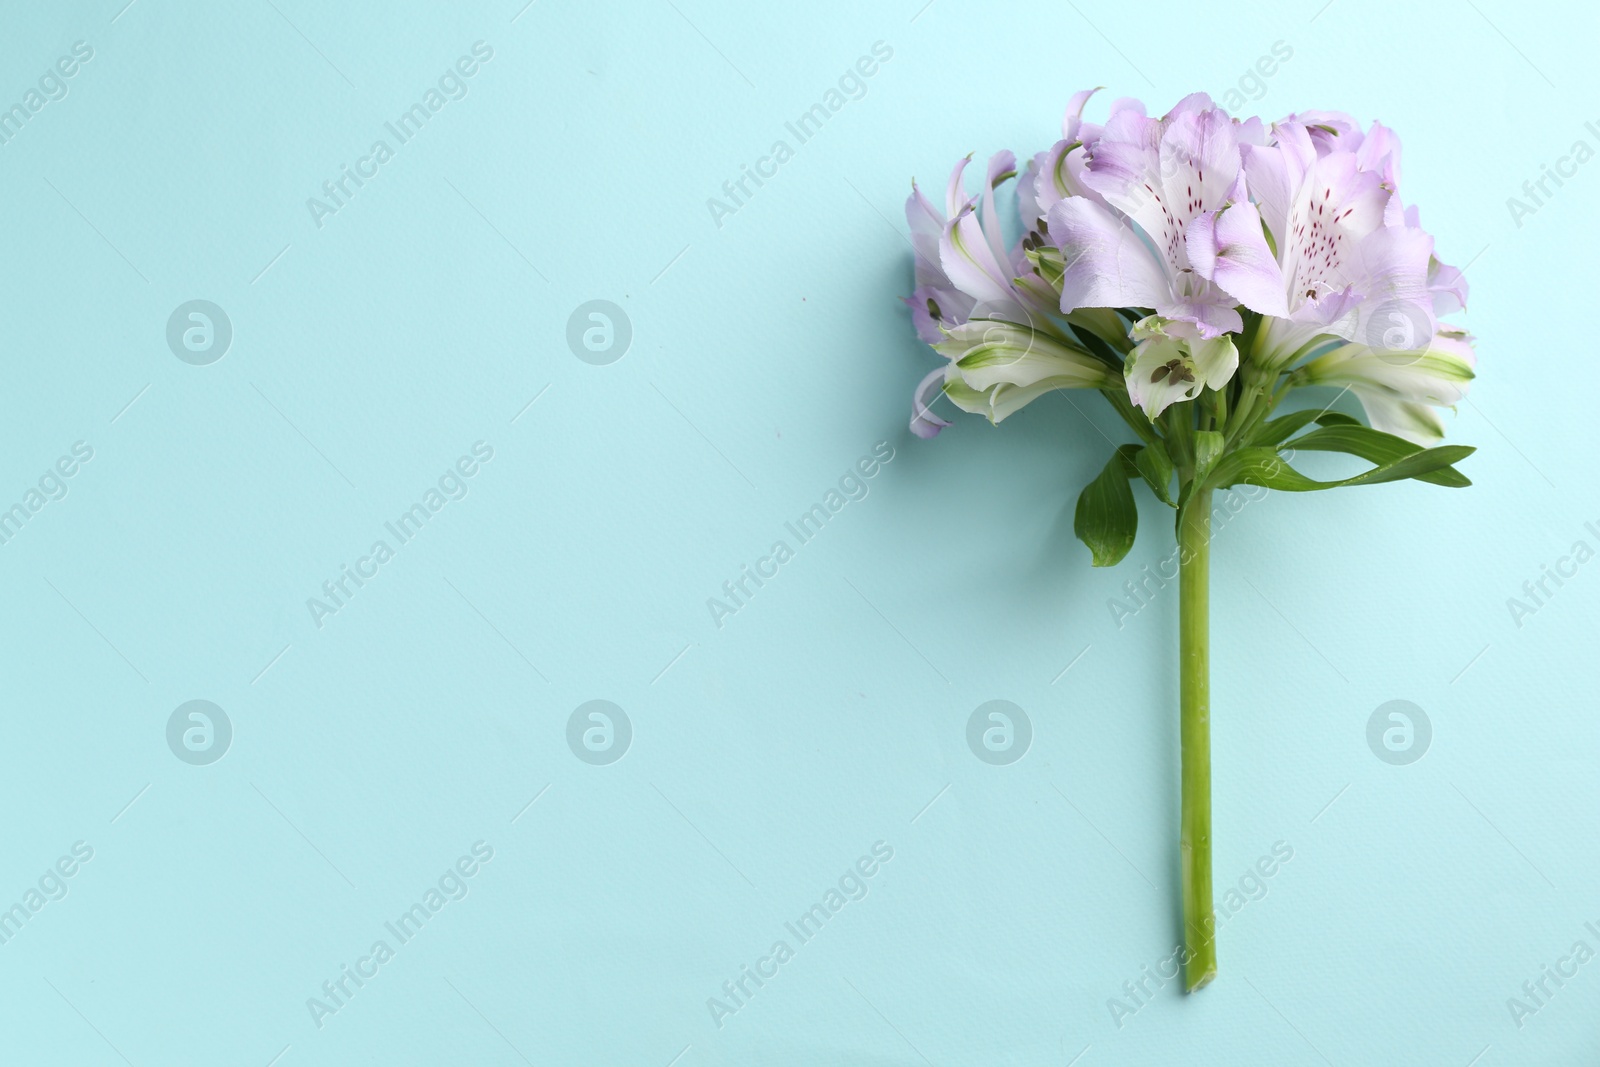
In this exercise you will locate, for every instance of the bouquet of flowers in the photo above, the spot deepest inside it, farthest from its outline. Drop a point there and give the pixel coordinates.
(1196, 269)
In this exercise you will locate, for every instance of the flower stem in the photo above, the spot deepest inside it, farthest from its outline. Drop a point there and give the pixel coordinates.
(1194, 657)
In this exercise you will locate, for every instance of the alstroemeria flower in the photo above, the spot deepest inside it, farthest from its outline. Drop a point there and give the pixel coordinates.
(974, 255)
(1342, 269)
(1400, 389)
(1173, 361)
(964, 269)
(1154, 177)
(998, 367)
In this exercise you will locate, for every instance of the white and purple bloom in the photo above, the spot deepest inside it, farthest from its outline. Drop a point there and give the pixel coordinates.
(1129, 245)
(1348, 263)
(1190, 246)
(1174, 361)
(1399, 390)
(984, 307)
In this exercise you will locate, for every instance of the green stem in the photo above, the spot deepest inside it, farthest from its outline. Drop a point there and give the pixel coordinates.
(1194, 657)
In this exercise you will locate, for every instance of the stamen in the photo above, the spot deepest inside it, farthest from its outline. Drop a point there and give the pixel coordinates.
(1173, 367)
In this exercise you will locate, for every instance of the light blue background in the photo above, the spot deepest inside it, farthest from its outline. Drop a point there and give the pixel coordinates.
(768, 754)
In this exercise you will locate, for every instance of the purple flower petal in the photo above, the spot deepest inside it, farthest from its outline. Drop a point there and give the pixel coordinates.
(1228, 247)
(1107, 265)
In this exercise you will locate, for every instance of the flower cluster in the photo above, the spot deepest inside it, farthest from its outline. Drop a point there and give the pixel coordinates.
(1196, 270)
(1194, 259)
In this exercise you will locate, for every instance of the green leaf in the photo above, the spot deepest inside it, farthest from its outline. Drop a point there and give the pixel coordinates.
(1259, 465)
(1106, 518)
(1276, 431)
(1414, 466)
(1279, 430)
(1263, 466)
(1153, 463)
(1374, 446)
